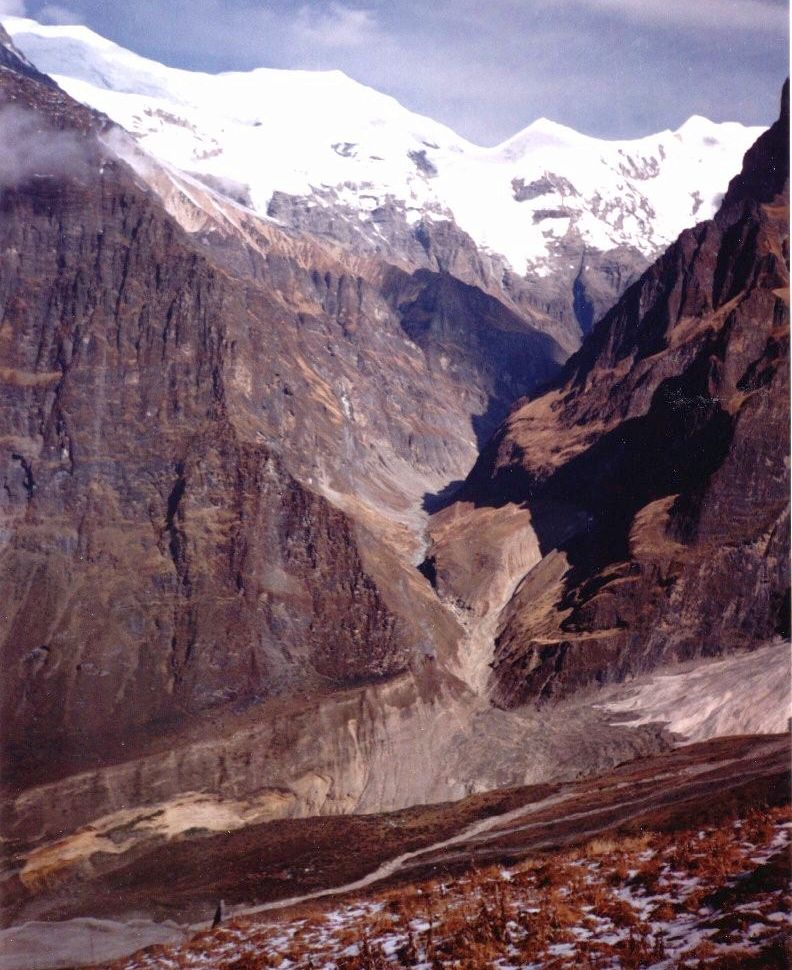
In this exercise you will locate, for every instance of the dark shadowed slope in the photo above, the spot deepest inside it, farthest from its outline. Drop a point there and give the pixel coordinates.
(653, 475)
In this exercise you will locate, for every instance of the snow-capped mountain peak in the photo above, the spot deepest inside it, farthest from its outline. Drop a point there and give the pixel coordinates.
(325, 138)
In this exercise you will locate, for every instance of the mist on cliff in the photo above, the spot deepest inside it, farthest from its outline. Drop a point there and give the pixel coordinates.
(29, 148)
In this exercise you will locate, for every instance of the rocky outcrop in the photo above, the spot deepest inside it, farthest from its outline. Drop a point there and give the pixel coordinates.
(463, 330)
(157, 562)
(654, 472)
(12, 59)
(436, 243)
(600, 281)
(563, 303)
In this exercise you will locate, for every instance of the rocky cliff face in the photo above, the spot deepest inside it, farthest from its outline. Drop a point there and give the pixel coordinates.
(214, 452)
(11, 58)
(583, 284)
(654, 474)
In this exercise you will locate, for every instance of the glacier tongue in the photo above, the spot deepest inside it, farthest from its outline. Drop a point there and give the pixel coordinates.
(310, 134)
(747, 693)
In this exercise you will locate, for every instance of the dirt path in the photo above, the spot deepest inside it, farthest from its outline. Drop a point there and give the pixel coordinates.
(401, 862)
(658, 791)
(687, 783)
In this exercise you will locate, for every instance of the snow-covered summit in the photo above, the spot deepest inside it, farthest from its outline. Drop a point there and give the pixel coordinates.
(325, 137)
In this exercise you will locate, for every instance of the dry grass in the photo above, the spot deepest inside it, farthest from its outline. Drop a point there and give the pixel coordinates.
(611, 902)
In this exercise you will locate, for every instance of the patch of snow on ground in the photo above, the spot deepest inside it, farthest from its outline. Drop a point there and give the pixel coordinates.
(659, 901)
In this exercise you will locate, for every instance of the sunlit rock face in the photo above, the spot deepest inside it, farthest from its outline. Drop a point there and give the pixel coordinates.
(220, 438)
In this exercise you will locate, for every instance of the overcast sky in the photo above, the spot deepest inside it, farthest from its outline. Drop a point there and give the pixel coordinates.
(487, 68)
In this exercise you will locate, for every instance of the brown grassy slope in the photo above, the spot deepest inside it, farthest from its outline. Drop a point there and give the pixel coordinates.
(704, 896)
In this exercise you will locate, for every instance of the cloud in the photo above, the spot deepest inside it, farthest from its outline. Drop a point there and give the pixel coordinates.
(334, 26)
(487, 68)
(12, 8)
(754, 15)
(54, 13)
(29, 147)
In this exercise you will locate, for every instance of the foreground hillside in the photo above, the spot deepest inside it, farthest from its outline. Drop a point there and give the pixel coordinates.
(685, 886)
(714, 897)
